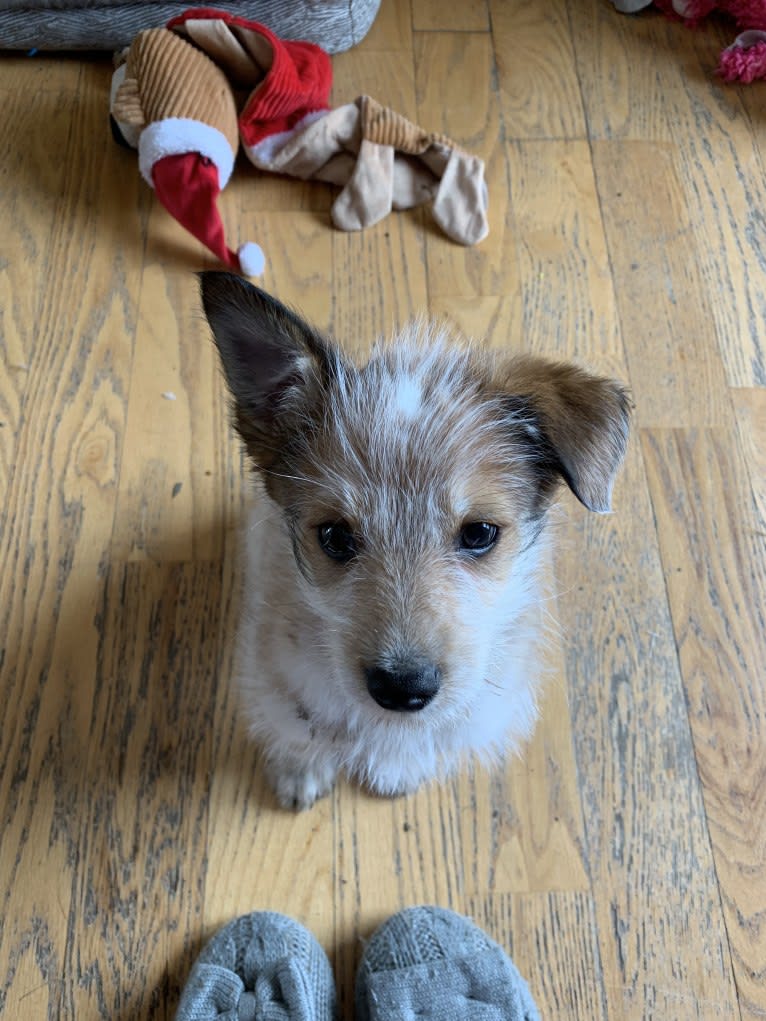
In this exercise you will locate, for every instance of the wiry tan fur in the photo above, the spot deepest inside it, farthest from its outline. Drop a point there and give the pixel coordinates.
(427, 435)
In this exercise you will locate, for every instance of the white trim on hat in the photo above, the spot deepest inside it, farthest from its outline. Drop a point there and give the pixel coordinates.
(177, 136)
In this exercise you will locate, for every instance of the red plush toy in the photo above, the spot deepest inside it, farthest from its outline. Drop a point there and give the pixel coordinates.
(745, 59)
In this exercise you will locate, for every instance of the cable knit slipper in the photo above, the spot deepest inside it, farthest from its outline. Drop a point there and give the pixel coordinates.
(261, 967)
(431, 964)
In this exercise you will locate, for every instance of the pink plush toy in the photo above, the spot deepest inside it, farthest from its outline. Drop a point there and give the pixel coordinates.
(745, 59)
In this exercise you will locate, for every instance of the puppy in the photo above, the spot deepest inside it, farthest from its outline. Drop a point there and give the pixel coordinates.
(394, 542)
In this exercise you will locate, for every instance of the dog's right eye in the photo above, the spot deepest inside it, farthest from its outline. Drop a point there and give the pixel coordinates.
(478, 537)
(337, 541)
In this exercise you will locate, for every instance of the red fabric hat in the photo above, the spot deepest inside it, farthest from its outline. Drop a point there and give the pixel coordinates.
(187, 185)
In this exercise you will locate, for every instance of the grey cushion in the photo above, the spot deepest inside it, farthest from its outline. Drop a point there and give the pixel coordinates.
(335, 25)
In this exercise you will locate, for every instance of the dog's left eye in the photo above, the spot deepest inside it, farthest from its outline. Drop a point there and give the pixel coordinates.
(337, 541)
(478, 537)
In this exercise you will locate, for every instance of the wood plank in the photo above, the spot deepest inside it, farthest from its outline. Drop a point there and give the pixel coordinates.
(464, 106)
(282, 860)
(299, 261)
(262, 192)
(30, 74)
(59, 509)
(138, 895)
(552, 941)
(492, 320)
(173, 495)
(392, 254)
(386, 76)
(725, 187)
(435, 16)
(28, 202)
(664, 303)
(47, 675)
(718, 165)
(174, 482)
(750, 411)
(537, 76)
(519, 827)
(250, 837)
(622, 61)
(569, 307)
(391, 30)
(662, 935)
(61, 499)
(716, 580)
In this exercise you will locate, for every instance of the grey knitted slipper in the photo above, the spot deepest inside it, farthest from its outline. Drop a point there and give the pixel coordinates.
(261, 967)
(433, 965)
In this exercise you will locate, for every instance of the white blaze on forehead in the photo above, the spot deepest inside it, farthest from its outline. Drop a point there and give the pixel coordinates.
(407, 396)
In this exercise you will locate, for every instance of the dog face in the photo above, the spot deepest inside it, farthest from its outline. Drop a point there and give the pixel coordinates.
(413, 489)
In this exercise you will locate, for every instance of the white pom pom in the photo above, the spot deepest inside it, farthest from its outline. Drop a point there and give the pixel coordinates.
(252, 261)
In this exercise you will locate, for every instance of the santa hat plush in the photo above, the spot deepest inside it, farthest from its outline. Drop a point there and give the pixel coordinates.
(183, 109)
(288, 82)
(188, 186)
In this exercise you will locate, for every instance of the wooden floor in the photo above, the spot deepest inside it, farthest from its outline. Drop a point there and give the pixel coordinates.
(622, 861)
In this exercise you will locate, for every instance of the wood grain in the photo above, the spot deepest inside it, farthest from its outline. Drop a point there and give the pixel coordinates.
(672, 95)
(59, 506)
(464, 105)
(552, 942)
(568, 295)
(170, 482)
(622, 61)
(726, 195)
(261, 192)
(45, 72)
(537, 75)
(391, 253)
(675, 366)
(647, 844)
(714, 569)
(750, 411)
(620, 857)
(435, 16)
(146, 789)
(28, 202)
(391, 31)
(494, 320)
(387, 76)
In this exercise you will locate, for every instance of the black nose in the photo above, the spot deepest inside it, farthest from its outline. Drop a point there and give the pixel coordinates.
(404, 690)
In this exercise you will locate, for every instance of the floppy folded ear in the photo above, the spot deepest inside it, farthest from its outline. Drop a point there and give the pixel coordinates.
(269, 357)
(577, 422)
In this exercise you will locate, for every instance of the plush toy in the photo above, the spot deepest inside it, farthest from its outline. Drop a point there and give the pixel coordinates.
(174, 98)
(745, 59)
(383, 161)
(172, 103)
(187, 95)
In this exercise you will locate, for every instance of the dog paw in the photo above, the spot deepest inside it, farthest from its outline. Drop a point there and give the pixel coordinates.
(297, 787)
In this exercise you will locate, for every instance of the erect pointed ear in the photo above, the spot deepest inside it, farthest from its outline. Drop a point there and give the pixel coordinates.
(577, 421)
(268, 353)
